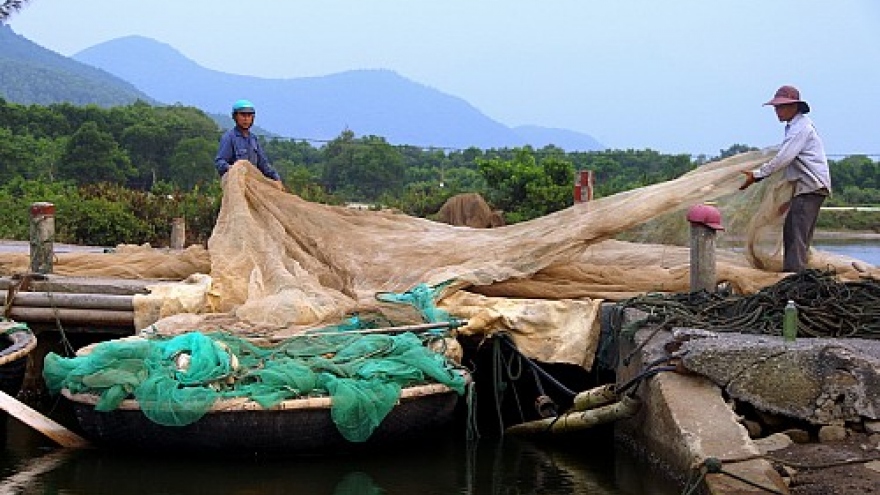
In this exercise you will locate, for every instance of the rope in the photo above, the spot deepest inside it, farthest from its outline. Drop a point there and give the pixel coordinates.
(556, 383)
(638, 379)
(497, 385)
(713, 465)
(826, 307)
(842, 462)
(65, 342)
(473, 428)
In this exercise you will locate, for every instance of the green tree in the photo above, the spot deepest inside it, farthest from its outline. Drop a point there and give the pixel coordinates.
(525, 188)
(7, 7)
(192, 163)
(147, 145)
(94, 156)
(362, 169)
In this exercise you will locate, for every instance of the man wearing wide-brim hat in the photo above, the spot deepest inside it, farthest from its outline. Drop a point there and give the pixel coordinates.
(802, 159)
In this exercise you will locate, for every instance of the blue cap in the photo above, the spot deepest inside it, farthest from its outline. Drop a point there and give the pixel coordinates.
(243, 106)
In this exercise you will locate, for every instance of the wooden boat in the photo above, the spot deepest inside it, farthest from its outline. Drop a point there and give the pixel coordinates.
(241, 426)
(16, 342)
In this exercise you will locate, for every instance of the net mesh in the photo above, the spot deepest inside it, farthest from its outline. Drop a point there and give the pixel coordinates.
(277, 265)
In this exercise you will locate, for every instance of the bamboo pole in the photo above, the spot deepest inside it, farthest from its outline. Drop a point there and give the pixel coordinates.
(579, 420)
(72, 316)
(401, 329)
(20, 411)
(72, 300)
(595, 397)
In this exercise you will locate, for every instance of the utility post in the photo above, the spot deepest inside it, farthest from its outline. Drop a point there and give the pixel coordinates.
(583, 186)
(705, 221)
(42, 238)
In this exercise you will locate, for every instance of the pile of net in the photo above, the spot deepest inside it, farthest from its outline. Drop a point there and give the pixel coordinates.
(279, 265)
(177, 380)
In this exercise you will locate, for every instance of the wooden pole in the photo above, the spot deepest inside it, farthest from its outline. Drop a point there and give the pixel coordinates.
(702, 253)
(61, 435)
(42, 237)
(72, 316)
(178, 233)
(111, 302)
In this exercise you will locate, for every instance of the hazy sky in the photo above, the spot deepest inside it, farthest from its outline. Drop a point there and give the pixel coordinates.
(675, 76)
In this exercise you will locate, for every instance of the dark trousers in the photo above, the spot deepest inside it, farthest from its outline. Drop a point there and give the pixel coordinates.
(797, 232)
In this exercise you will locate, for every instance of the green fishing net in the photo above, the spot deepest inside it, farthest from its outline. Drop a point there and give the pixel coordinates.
(177, 380)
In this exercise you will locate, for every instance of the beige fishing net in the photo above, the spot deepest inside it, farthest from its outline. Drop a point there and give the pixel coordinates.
(276, 264)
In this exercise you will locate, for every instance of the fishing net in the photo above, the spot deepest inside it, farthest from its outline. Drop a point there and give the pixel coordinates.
(278, 265)
(177, 380)
(471, 210)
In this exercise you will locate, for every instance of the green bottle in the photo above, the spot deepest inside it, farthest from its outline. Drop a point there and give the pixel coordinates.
(789, 322)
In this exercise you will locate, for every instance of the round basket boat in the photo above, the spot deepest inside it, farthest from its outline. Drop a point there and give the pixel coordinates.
(16, 342)
(241, 426)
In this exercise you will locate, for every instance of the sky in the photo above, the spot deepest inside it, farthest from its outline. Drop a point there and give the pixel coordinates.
(676, 76)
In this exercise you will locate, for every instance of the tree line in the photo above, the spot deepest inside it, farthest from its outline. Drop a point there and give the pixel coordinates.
(126, 170)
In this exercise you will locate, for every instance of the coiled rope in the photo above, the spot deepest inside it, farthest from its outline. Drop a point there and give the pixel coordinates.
(826, 306)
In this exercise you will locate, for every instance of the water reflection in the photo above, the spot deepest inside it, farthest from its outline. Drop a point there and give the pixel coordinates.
(440, 465)
(514, 466)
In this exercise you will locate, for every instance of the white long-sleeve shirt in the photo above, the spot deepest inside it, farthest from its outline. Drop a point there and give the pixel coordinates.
(803, 157)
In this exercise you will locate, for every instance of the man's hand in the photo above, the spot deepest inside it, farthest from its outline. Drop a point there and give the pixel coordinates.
(750, 179)
(783, 208)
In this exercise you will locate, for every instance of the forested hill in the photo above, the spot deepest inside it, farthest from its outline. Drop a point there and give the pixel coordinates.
(367, 102)
(31, 74)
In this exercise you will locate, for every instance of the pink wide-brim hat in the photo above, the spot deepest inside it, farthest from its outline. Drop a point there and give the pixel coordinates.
(789, 94)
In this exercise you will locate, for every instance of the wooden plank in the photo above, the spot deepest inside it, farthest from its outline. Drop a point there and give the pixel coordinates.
(24, 413)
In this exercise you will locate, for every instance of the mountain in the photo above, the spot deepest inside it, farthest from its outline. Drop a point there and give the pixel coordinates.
(31, 74)
(561, 138)
(368, 102)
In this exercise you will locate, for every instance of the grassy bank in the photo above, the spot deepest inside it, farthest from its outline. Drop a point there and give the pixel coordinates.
(849, 220)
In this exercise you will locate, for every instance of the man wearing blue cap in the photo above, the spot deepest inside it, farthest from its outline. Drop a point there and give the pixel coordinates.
(239, 143)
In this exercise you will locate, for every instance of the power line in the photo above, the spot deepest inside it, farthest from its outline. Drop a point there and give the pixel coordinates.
(453, 149)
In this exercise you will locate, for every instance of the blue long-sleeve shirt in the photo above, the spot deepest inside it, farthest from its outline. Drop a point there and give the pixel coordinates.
(236, 146)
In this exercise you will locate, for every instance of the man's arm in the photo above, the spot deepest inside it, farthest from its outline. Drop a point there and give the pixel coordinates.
(790, 149)
(225, 154)
(265, 166)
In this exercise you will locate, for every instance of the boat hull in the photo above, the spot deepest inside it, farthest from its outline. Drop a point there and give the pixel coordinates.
(14, 350)
(288, 430)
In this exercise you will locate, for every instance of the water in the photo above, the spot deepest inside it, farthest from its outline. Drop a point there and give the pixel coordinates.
(867, 250)
(438, 466)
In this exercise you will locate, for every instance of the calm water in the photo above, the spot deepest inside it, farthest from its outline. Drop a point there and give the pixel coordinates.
(867, 250)
(441, 466)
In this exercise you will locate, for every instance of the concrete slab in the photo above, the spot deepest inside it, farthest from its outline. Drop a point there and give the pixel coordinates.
(685, 426)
